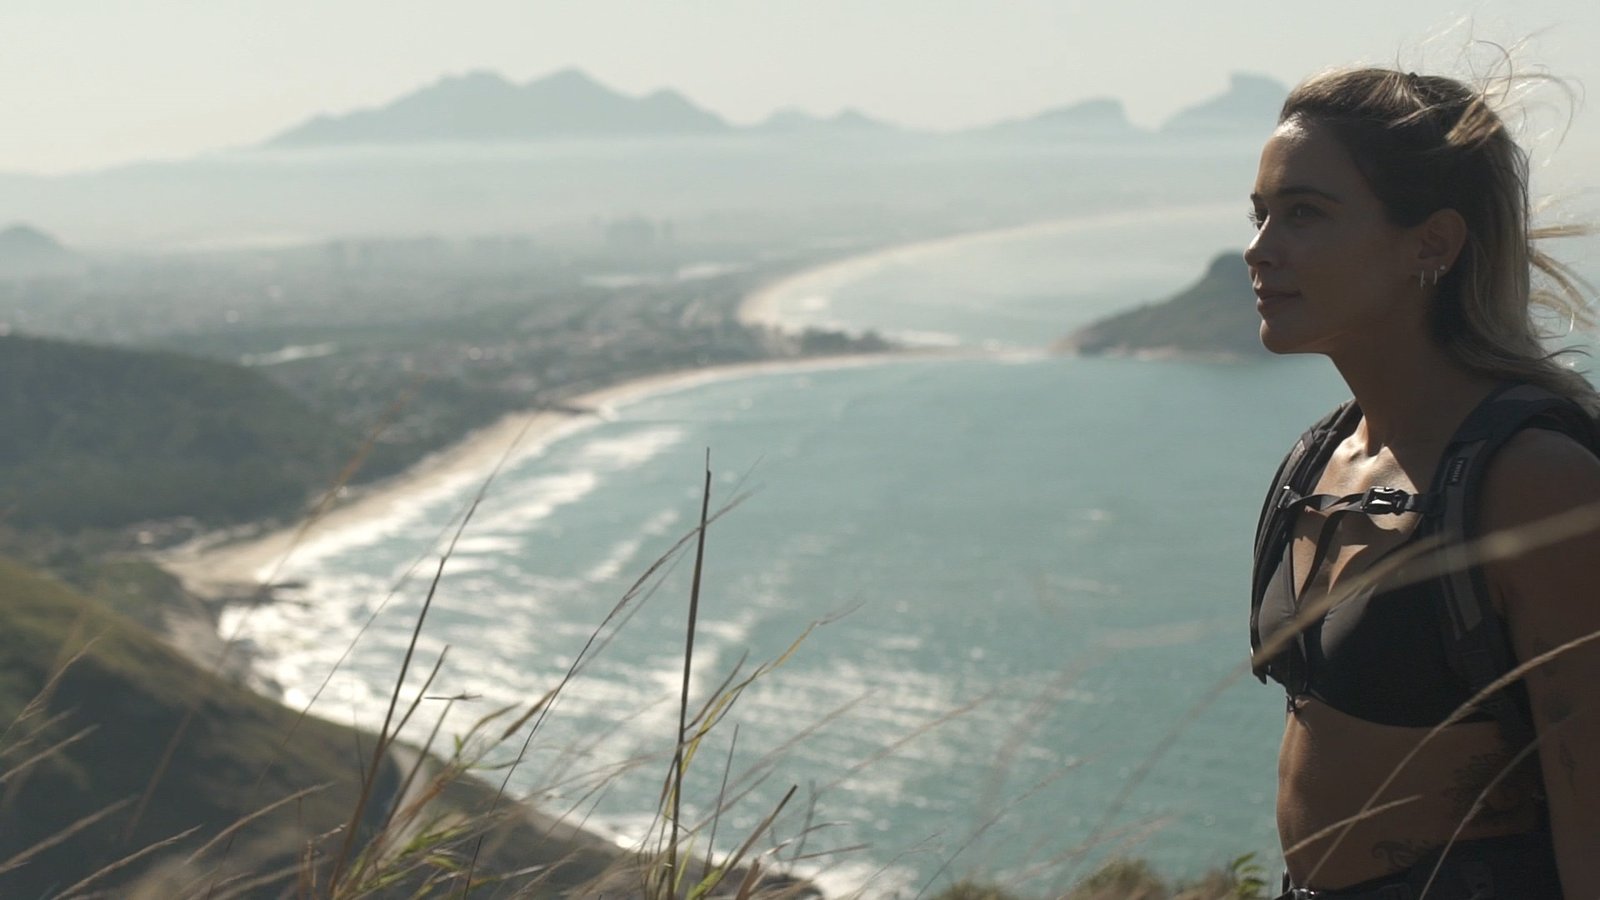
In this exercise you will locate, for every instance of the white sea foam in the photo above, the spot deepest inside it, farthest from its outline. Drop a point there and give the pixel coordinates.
(477, 544)
(523, 504)
(518, 616)
(611, 565)
(630, 450)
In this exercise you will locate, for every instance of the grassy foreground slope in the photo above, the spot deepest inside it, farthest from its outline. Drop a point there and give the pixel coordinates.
(110, 716)
(131, 692)
(103, 437)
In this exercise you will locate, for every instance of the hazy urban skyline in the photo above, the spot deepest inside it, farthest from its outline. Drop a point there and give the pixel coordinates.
(92, 83)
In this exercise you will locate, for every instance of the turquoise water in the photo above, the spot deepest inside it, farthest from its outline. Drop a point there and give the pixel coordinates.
(1031, 573)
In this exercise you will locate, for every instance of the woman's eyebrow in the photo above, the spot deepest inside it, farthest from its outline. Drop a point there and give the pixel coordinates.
(1295, 190)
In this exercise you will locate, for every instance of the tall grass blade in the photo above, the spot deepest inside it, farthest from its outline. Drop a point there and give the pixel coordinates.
(23, 766)
(125, 862)
(41, 699)
(64, 834)
(243, 821)
(688, 670)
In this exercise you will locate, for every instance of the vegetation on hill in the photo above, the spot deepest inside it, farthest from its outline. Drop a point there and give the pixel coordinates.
(110, 744)
(1214, 317)
(110, 715)
(103, 437)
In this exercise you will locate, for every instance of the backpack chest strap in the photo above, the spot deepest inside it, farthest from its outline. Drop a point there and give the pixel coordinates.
(1374, 501)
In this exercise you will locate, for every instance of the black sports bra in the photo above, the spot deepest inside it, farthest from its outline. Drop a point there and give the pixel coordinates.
(1378, 655)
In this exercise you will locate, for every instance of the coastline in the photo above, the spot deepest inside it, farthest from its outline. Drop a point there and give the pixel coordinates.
(221, 570)
(235, 571)
(760, 307)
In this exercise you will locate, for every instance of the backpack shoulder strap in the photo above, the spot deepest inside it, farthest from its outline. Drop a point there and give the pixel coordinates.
(1475, 638)
(1300, 465)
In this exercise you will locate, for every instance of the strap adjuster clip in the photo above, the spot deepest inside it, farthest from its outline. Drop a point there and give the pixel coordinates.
(1384, 501)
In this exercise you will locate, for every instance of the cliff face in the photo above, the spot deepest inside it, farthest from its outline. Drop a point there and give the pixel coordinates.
(1215, 317)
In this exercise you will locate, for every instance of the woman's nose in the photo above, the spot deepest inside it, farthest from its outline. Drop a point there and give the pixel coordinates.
(1257, 252)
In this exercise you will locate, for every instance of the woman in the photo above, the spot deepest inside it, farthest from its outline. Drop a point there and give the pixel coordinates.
(1392, 237)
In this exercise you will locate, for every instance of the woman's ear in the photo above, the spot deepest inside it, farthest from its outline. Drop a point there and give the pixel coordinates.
(1440, 238)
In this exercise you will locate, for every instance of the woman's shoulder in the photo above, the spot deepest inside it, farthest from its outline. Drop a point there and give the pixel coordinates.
(1540, 468)
(1541, 498)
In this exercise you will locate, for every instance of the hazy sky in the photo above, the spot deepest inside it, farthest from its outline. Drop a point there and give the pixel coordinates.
(89, 83)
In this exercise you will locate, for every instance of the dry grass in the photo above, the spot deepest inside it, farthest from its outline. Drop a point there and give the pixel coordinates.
(447, 833)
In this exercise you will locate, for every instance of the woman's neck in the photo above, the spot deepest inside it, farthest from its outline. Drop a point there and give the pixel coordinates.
(1410, 401)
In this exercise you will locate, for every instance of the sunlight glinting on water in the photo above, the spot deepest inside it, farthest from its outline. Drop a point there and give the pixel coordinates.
(988, 547)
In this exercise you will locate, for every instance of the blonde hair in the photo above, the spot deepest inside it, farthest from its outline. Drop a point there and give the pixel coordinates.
(1426, 143)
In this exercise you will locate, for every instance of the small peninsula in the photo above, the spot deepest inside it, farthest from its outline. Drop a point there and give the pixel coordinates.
(1214, 318)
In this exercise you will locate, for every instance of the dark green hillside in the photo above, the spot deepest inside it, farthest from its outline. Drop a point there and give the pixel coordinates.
(132, 693)
(101, 437)
(1215, 317)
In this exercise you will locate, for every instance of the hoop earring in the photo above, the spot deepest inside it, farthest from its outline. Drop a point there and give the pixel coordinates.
(1436, 275)
(1421, 276)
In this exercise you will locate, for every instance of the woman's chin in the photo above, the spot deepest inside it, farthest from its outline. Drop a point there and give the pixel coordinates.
(1279, 340)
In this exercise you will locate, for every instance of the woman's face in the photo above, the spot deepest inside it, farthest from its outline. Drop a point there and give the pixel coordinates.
(1331, 274)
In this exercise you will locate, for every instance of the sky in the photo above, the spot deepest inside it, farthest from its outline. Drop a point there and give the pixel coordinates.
(87, 84)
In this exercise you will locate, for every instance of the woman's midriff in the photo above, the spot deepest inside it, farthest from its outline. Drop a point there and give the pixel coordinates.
(1332, 771)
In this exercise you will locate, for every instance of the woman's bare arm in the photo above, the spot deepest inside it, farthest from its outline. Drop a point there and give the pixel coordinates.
(1551, 597)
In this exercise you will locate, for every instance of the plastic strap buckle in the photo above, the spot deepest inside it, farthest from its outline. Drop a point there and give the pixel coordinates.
(1383, 501)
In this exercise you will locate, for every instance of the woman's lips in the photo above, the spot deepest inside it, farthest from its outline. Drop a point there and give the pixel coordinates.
(1267, 299)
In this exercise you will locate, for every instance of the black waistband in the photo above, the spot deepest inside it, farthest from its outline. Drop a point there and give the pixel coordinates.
(1514, 867)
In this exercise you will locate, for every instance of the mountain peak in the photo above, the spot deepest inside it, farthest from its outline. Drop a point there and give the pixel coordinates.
(795, 119)
(569, 80)
(1095, 117)
(477, 78)
(1249, 106)
(484, 106)
(26, 250)
(22, 236)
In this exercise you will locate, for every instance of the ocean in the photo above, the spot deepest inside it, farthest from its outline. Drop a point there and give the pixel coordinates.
(1018, 582)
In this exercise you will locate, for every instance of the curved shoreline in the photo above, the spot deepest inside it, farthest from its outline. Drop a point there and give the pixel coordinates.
(760, 307)
(217, 568)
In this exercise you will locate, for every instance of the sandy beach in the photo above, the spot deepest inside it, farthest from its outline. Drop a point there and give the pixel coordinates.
(220, 568)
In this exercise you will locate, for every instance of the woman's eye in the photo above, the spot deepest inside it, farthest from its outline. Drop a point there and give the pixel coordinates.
(1303, 211)
(1257, 217)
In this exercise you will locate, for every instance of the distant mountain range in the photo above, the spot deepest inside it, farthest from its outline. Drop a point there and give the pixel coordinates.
(484, 106)
(797, 120)
(1103, 118)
